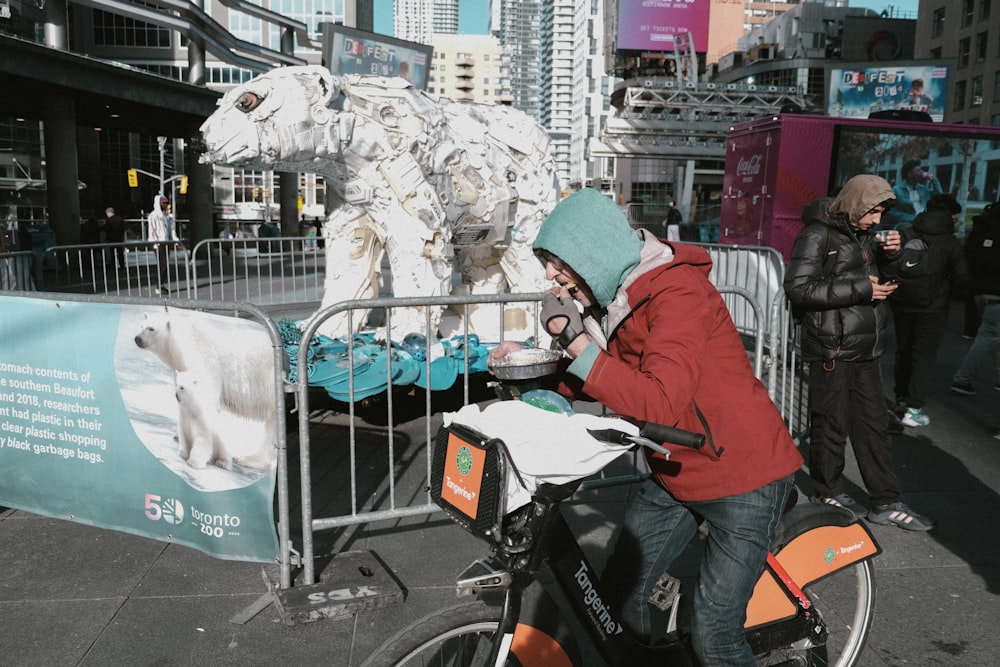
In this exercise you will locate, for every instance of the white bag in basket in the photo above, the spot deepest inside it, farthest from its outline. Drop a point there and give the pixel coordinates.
(545, 446)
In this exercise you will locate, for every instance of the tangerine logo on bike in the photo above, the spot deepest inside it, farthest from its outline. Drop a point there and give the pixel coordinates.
(602, 612)
(463, 476)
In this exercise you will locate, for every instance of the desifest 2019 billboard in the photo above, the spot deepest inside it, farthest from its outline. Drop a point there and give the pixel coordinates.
(860, 91)
(351, 51)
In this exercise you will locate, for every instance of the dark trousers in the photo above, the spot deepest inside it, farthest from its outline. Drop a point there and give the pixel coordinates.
(918, 337)
(845, 400)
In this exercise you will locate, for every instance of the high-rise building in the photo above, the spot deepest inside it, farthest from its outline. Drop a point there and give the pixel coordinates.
(469, 68)
(560, 52)
(412, 20)
(445, 17)
(418, 20)
(968, 33)
(519, 33)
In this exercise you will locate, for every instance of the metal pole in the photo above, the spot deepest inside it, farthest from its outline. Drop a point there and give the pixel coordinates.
(163, 142)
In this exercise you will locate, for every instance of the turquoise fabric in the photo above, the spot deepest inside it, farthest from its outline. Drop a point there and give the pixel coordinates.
(589, 232)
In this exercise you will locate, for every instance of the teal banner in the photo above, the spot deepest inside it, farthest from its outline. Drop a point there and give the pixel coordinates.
(141, 419)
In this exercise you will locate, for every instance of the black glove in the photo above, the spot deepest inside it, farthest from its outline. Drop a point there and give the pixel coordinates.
(554, 308)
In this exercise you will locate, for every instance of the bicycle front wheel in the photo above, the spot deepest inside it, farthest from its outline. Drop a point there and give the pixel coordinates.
(459, 635)
(845, 601)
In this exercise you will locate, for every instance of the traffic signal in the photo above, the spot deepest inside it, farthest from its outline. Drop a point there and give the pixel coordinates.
(184, 185)
(133, 178)
(256, 193)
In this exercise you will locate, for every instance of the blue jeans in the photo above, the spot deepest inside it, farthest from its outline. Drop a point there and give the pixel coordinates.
(986, 343)
(658, 527)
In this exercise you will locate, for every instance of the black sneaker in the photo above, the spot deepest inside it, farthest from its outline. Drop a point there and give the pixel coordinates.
(899, 514)
(995, 432)
(844, 502)
(963, 388)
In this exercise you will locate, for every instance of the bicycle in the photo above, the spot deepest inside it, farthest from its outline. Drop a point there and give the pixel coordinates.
(536, 594)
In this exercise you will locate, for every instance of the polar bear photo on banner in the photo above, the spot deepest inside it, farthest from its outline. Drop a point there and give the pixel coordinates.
(437, 185)
(223, 384)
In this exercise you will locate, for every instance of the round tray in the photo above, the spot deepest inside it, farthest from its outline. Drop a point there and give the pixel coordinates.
(525, 364)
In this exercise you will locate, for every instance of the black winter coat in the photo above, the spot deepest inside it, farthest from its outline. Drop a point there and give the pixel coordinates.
(828, 286)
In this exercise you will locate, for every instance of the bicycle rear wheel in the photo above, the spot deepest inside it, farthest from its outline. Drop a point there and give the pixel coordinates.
(456, 636)
(845, 601)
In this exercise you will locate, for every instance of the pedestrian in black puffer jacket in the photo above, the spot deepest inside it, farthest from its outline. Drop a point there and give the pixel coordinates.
(931, 267)
(832, 282)
(828, 282)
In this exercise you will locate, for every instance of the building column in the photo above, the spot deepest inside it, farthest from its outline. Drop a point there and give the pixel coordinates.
(61, 169)
(62, 173)
(199, 194)
(288, 182)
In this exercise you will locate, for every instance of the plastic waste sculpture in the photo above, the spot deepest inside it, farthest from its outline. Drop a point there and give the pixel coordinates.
(437, 185)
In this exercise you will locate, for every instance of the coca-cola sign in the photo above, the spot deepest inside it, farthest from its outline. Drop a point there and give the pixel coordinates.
(749, 166)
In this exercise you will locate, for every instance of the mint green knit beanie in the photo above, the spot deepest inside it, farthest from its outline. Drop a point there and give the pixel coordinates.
(590, 233)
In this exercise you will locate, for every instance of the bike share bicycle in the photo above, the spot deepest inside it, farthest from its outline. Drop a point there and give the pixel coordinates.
(536, 596)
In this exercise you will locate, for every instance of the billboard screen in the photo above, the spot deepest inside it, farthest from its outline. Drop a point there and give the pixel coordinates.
(962, 160)
(653, 24)
(351, 51)
(858, 92)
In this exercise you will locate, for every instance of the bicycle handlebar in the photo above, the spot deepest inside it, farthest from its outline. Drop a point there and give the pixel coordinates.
(650, 434)
(675, 436)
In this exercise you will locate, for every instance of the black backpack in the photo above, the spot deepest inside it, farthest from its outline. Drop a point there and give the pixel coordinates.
(922, 271)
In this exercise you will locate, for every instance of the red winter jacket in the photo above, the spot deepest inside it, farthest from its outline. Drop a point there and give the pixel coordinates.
(674, 357)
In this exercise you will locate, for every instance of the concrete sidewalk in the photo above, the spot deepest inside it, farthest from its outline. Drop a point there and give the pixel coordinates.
(77, 595)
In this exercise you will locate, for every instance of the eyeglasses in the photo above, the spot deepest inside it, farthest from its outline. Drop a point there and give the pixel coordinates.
(546, 257)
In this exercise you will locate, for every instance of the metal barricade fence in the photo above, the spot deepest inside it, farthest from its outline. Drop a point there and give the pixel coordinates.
(231, 272)
(18, 271)
(281, 270)
(127, 269)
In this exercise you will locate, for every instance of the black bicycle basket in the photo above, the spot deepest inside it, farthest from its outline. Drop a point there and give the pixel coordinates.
(468, 479)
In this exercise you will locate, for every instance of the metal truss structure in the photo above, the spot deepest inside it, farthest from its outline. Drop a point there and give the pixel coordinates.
(671, 118)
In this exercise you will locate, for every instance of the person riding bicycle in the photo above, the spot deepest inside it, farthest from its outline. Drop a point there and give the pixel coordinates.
(655, 342)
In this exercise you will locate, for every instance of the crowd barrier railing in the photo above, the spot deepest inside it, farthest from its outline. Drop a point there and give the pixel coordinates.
(268, 271)
(18, 271)
(236, 271)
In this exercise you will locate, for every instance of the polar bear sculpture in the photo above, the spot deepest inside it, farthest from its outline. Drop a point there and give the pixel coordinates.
(438, 185)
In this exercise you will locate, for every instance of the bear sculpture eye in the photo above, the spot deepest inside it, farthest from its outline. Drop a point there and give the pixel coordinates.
(248, 101)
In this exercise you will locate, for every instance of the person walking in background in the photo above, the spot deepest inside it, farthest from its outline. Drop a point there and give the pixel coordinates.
(832, 282)
(161, 231)
(930, 269)
(114, 232)
(912, 193)
(982, 251)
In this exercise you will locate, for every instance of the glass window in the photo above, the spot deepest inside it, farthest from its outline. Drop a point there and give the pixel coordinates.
(937, 24)
(984, 9)
(968, 12)
(982, 46)
(977, 91)
(959, 102)
(117, 30)
(964, 46)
